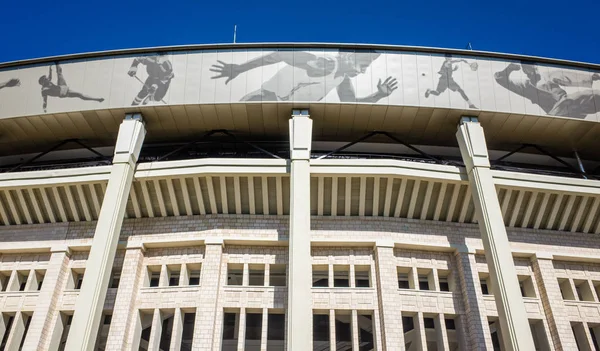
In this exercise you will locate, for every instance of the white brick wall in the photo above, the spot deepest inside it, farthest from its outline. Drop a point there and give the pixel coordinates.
(425, 245)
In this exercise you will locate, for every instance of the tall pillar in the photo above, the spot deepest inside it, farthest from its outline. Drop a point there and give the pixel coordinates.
(206, 317)
(40, 328)
(88, 308)
(511, 309)
(475, 323)
(387, 286)
(561, 334)
(299, 280)
(124, 314)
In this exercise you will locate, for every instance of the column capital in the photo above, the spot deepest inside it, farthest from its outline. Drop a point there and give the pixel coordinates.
(471, 141)
(543, 256)
(300, 135)
(214, 241)
(61, 248)
(129, 140)
(385, 243)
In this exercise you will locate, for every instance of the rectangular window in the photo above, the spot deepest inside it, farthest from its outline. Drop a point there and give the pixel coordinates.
(404, 281)
(187, 336)
(540, 339)
(595, 334)
(496, 334)
(256, 274)
(584, 290)
(193, 274)
(173, 274)
(343, 330)
(103, 333)
(580, 335)
(167, 318)
(235, 274)
(425, 276)
(565, 289)
(526, 286)
(76, 279)
(38, 280)
(8, 322)
(4, 278)
(320, 332)
(21, 280)
(64, 328)
(454, 332)
(146, 319)
(276, 332)
(231, 325)
(430, 332)
(115, 279)
(341, 276)
(153, 276)
(484, 284)
(320, 275)
(444, 280)
(253, 331)
(362, 276)
(26, 320)
(277, 275)
(365, 332)
(408, 326)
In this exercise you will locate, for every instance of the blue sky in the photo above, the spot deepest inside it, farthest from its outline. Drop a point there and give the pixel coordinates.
(552, 28)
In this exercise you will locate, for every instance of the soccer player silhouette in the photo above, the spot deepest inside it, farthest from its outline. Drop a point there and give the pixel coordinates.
(548, 93)
(308, 77)
(447, 82)
(160, 73)
(60, 89)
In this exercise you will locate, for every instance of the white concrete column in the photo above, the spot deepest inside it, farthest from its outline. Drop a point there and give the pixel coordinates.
(206, 317)
(242, 330)
(332, 335)
(125, 316)
(264, 331)
(511, 309)
(16, 332)
(177, 333)
(155, 330)
(89, 305)
(40, 327)
(355, 329)
(299, 280)
(441, 333)
(390, 318)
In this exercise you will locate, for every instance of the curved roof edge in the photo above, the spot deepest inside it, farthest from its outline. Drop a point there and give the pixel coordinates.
(275, 45)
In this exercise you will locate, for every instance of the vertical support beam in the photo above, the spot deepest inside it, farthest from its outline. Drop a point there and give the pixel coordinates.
(442, 333)
(177, 333)
(474, 319)
(120, 336)
(40, 327)
(387, 277)
(511, 309)
(88, 308)
(16, 332)
(155, 331)
(209, 288)
(561, 334)
(242, 330)
(299, 284)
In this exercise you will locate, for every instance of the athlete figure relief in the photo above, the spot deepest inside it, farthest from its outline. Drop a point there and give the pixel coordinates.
(447, 82)
(160, 73)
(60, 89)
(308, 77)
(13, 82)
(548, 93)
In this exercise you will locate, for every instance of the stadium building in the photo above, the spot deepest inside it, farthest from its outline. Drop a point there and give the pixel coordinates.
(299, 197)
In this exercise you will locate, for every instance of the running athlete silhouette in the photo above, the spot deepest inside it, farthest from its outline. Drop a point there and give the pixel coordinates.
(447, 82)
(10, 83)
(60, 89)
(548, 93)
(160, 73)
(308, 77)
